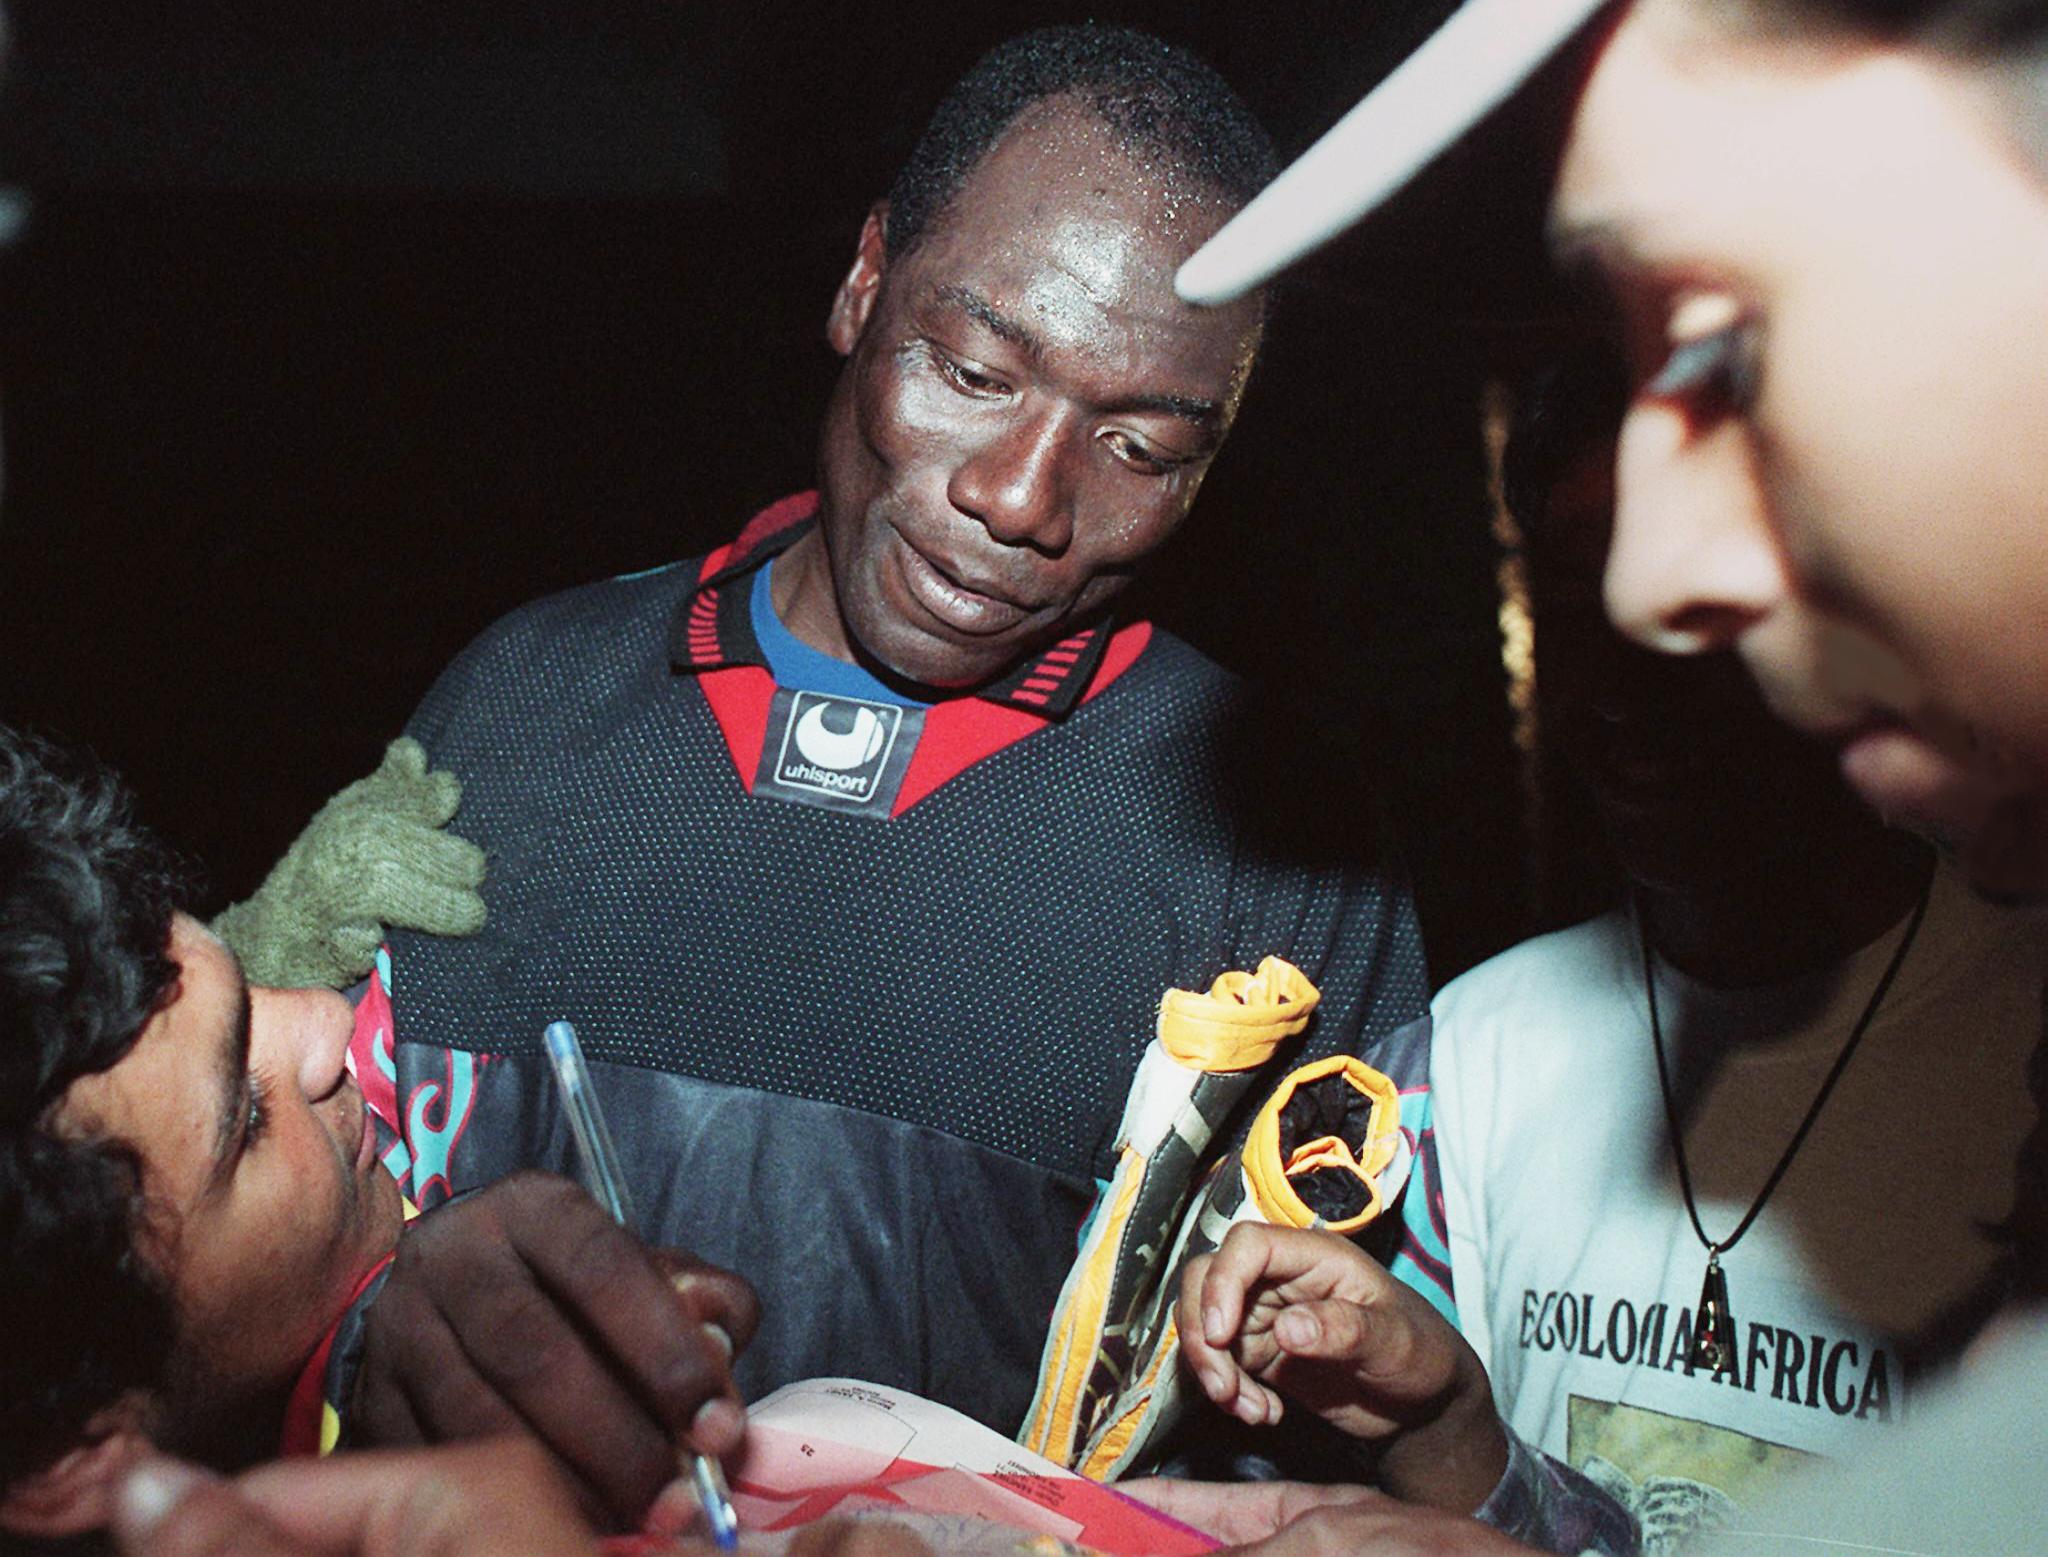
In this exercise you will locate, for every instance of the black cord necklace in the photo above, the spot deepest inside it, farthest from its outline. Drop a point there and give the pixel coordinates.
(1713, 1333)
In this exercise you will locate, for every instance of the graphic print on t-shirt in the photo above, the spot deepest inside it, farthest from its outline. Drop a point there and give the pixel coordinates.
(841, 753)
(1685, 1448)
(1676, 1476)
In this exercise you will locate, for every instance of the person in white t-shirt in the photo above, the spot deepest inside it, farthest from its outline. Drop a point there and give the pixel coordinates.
(1847, 1033)
(1822, 226)
(1793, 938)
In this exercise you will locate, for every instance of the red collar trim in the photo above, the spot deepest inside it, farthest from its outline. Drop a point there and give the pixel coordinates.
(714, 625)
(958, 733)
(301, 1433)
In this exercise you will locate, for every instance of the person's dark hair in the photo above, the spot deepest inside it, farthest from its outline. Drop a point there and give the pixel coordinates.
(1563, 412)
(1163, 102)
(86, 898)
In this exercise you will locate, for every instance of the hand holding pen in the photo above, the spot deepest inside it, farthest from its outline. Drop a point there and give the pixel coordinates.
(523, 1309)
(605, 1180)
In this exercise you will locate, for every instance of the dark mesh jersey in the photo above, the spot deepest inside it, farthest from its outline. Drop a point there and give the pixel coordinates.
(874, 1062)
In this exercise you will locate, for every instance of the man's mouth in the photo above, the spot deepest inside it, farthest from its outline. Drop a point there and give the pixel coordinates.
(956, 598)
(366, 1134)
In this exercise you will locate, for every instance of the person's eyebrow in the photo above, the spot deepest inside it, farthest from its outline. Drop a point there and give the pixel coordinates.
(990, 317)
(233, 1075)
(1590, 243)
(1207, 416)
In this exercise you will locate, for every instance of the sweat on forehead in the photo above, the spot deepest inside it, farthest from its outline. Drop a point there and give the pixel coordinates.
(1073, 160)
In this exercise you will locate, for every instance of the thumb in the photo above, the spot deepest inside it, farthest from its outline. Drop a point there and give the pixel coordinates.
(404, 759)
(1325, 1330)
(1393, 1355)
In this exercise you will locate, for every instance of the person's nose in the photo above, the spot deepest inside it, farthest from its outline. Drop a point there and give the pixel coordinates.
(1018, 483)
(1693, 564)
(312, 1029)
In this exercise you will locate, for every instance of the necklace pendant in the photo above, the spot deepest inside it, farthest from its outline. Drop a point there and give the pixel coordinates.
(1713, 1326)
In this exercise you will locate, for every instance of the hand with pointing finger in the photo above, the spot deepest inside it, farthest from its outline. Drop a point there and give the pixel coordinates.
(1280, 1314)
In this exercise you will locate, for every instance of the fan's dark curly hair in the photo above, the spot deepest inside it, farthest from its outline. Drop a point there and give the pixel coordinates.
(86, 898)
(1165, 104)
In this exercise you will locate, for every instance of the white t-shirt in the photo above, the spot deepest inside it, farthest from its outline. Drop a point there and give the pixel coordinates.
(1576, 1268)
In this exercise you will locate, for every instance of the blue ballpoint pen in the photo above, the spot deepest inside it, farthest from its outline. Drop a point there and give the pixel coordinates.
(608, 1187)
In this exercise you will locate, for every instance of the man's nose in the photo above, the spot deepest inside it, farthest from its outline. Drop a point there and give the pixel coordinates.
(1693, 563)
(312, 1027)
(1018, 483)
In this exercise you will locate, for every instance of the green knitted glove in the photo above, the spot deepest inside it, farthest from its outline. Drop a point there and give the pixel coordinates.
(373, 856)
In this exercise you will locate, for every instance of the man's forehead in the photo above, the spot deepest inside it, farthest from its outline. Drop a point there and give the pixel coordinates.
(174, 1095)
(1062, 234)
(1059, 160)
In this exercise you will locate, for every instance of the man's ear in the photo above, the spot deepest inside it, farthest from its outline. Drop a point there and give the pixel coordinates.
(855, 299)
(76, 1493)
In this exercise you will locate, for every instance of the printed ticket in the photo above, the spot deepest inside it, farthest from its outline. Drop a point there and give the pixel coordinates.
(841, 1448)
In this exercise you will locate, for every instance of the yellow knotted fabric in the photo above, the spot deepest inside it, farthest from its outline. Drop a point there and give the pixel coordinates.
(1240, 1021)
(1275, 1174)
(1326, 1150)
(1205, 1053)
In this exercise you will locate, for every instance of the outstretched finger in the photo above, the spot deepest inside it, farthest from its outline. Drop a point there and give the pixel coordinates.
(496, 1498)
(1217, 1368)
(407, 789)
(502, 1496)
(1296, 1264)
(166, 1508)
(1209, 1361)
(1227, 1279)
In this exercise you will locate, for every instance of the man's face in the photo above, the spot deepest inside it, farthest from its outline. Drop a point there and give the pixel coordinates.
(1027, 409)
(268, 1201)
(1831, 270)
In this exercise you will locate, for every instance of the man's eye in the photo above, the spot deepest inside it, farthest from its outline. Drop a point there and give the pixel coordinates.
(968, 380)
(257, 1121)
(1140, 457)
(1711, 360)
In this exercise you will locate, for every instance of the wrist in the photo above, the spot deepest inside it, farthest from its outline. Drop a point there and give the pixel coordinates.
(1454, 1459)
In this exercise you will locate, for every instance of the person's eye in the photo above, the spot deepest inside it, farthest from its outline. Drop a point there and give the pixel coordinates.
(1141, 456)
(256, 1123)
(1711, 359)
(969, 380)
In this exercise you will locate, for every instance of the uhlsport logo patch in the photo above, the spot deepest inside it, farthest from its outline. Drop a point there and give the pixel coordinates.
(840, 752)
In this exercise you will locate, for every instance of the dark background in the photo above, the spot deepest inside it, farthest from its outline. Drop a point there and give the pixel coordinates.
(336, 332)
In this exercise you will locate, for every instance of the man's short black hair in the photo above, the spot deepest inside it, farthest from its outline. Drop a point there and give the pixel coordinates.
(86, 898)
(1163, 102)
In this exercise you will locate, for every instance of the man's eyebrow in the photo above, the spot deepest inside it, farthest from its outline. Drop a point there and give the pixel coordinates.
(1207, 415)
(234, 1087)
(993, 319)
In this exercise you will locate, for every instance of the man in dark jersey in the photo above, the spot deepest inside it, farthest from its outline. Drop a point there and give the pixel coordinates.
(861, 851)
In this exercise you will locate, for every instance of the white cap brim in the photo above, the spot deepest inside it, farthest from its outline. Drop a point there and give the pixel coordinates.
(1469, 67)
